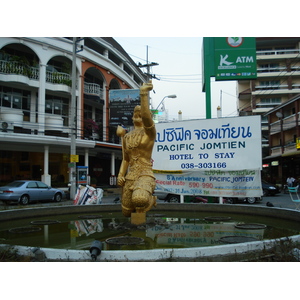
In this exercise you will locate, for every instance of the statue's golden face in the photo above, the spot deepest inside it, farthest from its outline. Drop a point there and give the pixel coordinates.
(137, 118)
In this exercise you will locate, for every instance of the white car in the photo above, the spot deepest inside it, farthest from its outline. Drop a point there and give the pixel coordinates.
(166, 196)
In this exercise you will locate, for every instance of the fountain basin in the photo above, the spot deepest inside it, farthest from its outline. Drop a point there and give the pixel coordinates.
(180, 254)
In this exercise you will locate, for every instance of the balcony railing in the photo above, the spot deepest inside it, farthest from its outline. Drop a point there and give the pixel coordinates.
(275, 127)
(270, 69)
(93, 89)
(276, 151)
(278, 52)
(288, 147)
(58, 77)
(287, 123)
(271, 87)
(14, 67)
(283, 70)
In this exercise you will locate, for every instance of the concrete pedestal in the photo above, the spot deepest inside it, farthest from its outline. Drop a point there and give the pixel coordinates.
(138, 218)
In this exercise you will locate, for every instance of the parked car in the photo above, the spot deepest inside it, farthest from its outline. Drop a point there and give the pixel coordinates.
(269, 189)
(26, 191)
(166, 196)
(175, 198)
(249, 200)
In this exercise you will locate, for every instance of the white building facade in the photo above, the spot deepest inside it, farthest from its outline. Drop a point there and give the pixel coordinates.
(35, 106)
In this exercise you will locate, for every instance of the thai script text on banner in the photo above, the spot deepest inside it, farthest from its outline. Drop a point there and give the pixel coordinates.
(208, 144)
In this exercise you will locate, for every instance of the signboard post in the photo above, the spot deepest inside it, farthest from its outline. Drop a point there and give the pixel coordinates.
(207, 71)
(227, 58)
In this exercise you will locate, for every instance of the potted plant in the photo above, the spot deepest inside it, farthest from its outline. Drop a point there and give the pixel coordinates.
(91, 129)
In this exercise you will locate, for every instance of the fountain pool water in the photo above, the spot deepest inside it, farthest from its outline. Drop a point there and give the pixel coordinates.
(181, 230)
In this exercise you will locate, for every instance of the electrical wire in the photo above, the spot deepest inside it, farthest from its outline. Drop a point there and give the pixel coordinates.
(166, 78)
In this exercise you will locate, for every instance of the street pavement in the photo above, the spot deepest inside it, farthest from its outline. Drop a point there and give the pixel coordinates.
(280, 200)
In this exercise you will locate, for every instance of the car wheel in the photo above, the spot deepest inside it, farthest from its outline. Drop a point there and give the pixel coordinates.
(230, 201)
(173, 198)
(251, 200)
(24, 199)
(57, 197)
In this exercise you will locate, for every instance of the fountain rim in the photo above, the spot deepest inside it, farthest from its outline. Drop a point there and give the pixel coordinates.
(152, 254)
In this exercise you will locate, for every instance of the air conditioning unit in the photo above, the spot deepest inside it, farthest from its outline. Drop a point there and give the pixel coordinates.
(6, 126)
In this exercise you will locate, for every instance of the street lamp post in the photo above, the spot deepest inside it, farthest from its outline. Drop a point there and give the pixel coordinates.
(170, 96)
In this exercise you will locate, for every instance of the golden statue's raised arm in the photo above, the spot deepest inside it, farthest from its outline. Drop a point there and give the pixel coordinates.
(145, 110)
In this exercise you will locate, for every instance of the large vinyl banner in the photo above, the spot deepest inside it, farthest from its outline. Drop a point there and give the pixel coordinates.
(215, 157)
(241, 183)
(122, 104)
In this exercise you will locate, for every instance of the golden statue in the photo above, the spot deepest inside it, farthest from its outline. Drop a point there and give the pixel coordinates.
(136, 175)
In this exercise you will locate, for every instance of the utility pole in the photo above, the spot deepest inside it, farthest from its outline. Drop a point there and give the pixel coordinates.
(72, 175)
(148, 65)
(73, 156)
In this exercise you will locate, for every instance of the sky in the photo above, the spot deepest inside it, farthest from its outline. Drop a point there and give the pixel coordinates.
(180, 73)
(173, 33)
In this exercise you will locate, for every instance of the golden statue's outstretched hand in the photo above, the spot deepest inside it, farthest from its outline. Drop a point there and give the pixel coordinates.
(121, 180)
(120, 131)
(146, 87)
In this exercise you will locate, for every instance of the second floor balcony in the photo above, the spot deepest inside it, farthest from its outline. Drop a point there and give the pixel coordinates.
(14, 122)
(277, 52)
(33, 73)
(93, 89)
(289, 147)
(17, 68)
(287, 123)
(58, 78)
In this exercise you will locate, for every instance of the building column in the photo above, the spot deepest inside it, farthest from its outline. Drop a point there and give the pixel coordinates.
(112, 164)
(33, 100)
(46, 178)
(42, 96)
(86, 157)
(106, 127)
(113, 179)
(86, 163)
(297, 118)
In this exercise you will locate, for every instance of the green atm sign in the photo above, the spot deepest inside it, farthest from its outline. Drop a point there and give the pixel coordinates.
(234, 58)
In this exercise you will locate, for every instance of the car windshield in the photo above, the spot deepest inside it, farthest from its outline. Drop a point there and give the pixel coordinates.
(15, 184)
